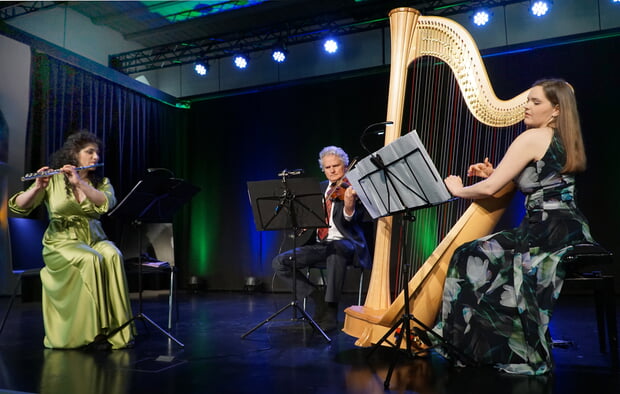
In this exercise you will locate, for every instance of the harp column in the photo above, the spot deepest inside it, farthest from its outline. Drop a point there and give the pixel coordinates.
(403, 48)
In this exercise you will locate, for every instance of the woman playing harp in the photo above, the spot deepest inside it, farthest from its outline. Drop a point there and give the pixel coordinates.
(500, 289)
(431, 56)
(453, 141)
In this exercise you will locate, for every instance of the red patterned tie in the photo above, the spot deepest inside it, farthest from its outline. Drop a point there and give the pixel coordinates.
(322, 231)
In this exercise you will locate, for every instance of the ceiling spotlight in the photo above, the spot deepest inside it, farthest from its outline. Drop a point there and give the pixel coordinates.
(481, 17)
(279, 54)
(241, 61)
(201, 67)
(330, 45)
(540, 8)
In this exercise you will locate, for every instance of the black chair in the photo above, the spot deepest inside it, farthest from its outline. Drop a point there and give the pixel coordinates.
(583, 265)
(25, 236)
(321, 281)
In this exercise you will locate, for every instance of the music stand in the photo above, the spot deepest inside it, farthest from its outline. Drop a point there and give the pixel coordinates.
(401, 178)
(289, 204)
(154, 199)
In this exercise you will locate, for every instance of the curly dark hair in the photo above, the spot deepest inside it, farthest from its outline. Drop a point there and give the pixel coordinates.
(69, 152)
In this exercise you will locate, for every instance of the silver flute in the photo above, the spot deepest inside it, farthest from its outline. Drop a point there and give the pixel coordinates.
(34, 175)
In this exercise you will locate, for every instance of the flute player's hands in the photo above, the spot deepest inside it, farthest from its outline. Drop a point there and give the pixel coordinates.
(72, 175)
(42, 182)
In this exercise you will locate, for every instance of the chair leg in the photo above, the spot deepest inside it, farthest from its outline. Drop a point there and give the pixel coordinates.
(359, 291)
(11, 302)
(171, 298)
(600, 305)
(305, 301)
(610, 314)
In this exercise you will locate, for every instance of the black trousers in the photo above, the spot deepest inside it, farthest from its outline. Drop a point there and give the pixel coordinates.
(333, 256)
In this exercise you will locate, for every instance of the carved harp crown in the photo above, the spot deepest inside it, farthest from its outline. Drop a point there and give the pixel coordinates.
(413, 37)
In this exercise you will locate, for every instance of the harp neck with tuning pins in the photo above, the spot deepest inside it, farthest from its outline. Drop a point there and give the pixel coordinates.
(433, 57)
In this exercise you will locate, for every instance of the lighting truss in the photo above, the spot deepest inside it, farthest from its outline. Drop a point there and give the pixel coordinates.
(263, 39)
(260, 39)
(219, 47)
(15, 9)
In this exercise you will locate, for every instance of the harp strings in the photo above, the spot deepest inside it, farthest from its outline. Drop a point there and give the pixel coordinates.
(454, 139)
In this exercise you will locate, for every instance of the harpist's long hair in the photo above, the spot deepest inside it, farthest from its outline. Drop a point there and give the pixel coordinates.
(560, 93)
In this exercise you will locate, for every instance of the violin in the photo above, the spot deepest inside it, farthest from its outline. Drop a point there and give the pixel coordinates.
(341, 187)
(342, 184)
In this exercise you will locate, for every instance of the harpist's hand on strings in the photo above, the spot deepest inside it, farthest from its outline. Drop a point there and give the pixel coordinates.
(454, 183)
(483, 170)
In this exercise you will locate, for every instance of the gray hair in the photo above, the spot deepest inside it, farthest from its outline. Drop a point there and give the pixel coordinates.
(333, 150)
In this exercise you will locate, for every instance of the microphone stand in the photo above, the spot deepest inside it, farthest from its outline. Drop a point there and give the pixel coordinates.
(365, 132)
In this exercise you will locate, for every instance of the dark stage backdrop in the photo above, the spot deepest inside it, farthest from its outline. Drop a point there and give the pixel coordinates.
(253, 136)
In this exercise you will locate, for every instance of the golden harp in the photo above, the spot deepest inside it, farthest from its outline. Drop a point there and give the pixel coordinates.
(435, 41)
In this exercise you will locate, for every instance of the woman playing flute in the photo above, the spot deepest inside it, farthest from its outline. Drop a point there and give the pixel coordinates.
(85, 294)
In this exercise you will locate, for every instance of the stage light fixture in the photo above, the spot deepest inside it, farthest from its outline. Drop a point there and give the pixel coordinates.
(540, 8)
(481, 17)
(330, 45)
(241, 61)
(279, 54)
(201, 67)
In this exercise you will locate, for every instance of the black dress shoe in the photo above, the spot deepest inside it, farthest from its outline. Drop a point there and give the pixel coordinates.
(329, 321)
(320, 306)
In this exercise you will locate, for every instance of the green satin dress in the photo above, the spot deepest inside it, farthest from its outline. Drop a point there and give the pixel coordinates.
(85, 290)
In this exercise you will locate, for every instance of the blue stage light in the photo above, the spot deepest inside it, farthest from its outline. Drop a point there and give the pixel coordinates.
(279, 55)
(241, 61)
(201, 67)
(481, 18)
(540, 8)
(330, 45)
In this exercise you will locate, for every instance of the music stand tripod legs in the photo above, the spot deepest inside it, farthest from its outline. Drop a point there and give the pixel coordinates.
(141, 315)
(421, 332)
(293, 304)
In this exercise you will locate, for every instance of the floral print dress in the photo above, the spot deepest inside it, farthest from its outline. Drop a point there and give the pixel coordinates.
(500, 290)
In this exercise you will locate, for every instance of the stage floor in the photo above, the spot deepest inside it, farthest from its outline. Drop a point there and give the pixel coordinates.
(282, 356)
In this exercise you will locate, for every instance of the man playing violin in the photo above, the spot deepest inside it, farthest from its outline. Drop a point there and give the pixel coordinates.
(340, 244)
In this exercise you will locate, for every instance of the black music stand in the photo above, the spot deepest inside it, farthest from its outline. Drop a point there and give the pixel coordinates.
(154, 199)
(288, 204)
(401, 178)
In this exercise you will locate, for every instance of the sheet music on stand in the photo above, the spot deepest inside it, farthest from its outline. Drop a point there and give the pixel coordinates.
(407, 180)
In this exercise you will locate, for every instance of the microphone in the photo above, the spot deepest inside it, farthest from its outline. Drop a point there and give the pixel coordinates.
(296, 172)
